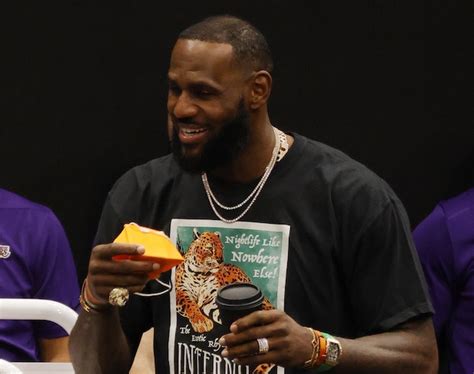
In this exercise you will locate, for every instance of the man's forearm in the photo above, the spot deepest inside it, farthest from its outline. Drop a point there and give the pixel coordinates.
(55, 349)
(98, 345)
(410, 349)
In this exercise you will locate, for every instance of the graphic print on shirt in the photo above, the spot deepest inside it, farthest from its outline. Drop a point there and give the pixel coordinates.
(217, 254)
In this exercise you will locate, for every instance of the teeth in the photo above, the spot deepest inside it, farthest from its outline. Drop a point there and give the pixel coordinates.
(193, 131)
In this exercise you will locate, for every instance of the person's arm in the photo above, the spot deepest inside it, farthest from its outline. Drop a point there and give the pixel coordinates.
(436, 252)
(54, 350)
(144, 361)
(54, 278)
(443, 242)
(98, 343)
(407, 348)
(390, 308)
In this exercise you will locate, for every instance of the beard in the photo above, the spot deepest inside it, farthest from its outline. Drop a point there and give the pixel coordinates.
(220, 149)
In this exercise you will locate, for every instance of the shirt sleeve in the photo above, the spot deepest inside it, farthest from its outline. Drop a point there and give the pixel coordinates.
(53, 271)
(446, 246)
(386, 283)
(436, 254)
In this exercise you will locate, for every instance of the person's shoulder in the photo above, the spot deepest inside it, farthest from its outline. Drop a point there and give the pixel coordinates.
(464, 202)
(341, 172)
(32, 214)
(326, 155)
(154, 170)
(13, 201)
(147, 179)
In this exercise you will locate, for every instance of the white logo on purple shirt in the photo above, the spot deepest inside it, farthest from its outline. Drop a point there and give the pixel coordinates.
(5, 251)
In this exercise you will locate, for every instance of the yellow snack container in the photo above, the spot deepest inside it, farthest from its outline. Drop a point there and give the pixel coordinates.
(158, 247)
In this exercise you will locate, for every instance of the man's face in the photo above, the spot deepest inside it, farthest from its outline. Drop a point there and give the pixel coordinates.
(209, 121)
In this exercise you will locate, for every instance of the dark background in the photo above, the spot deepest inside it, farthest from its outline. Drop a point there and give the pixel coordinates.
(385, 81)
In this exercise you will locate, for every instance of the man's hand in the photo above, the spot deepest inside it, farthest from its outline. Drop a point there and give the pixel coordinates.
(408, 348)
(289, 343)
(106, 273)
(97, 335)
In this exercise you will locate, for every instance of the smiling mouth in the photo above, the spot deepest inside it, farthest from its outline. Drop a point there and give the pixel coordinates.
(192, 132)
(188, 135)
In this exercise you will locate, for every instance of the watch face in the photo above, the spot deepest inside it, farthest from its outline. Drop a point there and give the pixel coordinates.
(333, 352)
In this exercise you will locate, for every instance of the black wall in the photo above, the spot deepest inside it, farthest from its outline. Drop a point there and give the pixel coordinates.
(385, 81)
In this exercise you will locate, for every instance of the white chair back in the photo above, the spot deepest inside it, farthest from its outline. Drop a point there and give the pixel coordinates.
(36, 309)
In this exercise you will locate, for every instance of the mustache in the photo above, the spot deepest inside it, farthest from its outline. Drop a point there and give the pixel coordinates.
(183, 121)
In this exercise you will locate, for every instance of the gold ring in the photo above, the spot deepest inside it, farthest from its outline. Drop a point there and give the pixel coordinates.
(118, 296)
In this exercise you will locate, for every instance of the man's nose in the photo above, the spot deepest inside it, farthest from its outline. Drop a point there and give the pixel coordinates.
(184, 106)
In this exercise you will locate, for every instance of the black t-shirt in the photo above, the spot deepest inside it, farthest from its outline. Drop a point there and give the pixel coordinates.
(327, 240)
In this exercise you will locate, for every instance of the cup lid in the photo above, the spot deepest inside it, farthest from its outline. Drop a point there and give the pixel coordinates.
(236, 294)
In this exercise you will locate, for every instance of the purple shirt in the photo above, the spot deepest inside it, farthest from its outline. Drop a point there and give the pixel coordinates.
(35, 262)
(445, 242)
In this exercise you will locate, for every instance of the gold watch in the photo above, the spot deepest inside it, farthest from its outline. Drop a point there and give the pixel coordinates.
(333, 351)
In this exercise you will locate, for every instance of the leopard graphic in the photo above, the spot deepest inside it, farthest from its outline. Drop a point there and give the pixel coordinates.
(199, 277)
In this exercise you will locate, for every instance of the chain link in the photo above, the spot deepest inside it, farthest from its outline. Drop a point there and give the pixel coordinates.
(281, 147)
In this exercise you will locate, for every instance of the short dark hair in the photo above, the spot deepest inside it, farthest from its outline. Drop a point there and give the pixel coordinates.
(249, 45)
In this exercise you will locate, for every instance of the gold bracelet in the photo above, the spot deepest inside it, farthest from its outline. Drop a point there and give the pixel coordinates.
(85, 302)
(310, 363)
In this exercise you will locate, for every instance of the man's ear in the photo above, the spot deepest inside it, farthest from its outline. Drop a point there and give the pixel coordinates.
(260, 89)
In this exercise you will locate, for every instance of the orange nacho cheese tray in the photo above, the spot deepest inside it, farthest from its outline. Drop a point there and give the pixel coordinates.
(158, 247)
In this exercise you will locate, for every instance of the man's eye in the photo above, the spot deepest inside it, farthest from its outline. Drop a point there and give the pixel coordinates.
(202, 93)
(173, 88)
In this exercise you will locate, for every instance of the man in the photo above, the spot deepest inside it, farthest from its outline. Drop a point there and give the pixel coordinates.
(445, 242)
(35, 262)
(325, 239)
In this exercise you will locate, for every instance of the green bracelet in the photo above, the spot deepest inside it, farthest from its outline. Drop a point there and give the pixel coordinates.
(323, 367)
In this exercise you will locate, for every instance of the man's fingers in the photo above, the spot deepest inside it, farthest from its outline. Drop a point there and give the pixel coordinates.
(249, 353)
(251, 327)
(252, 360)
(106, 251)
(121, 267)
(266, 323)
(106, 273)
(249, 348)
(289, 344)
(247, 336)
(279, 352)
(262, 317)
(120, 281)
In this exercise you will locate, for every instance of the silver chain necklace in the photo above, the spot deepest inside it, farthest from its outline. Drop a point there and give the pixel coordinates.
(281, 147)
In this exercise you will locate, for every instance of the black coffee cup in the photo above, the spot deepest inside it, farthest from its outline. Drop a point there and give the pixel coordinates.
(236, 300)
